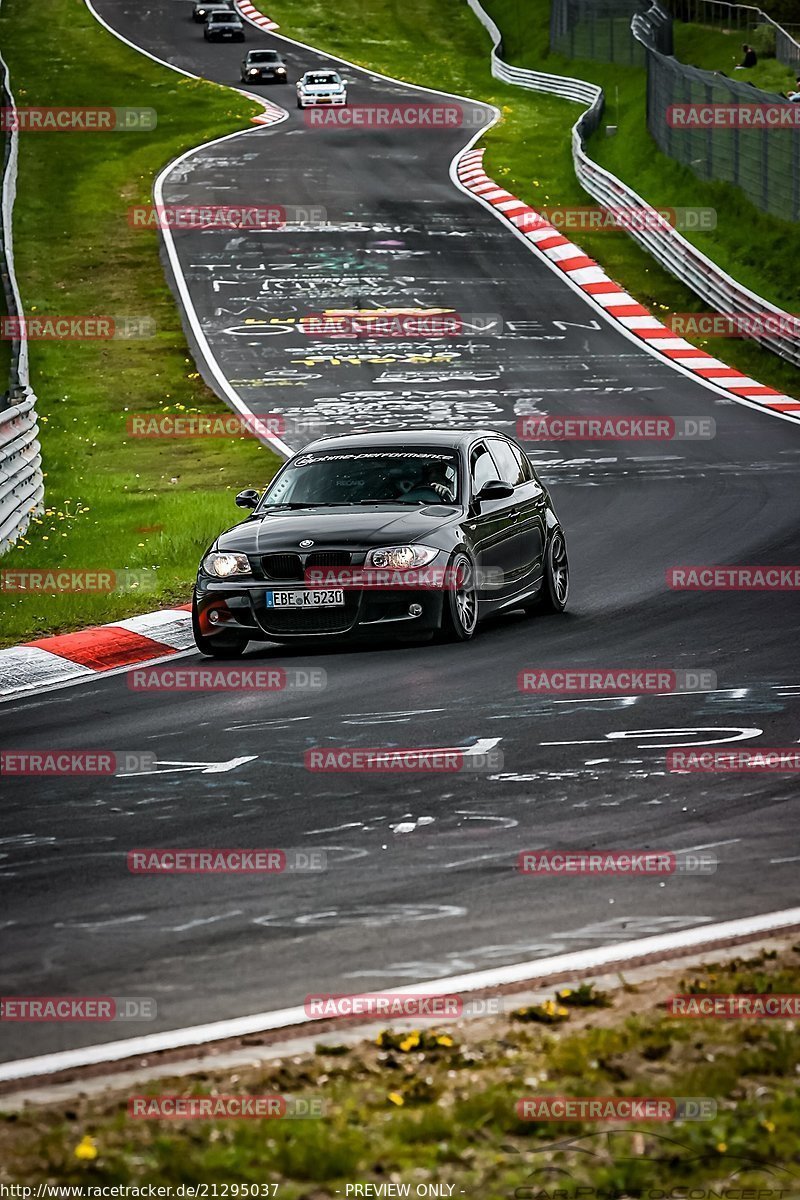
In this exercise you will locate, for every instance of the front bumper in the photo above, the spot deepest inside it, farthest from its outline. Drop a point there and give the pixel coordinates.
(368, 613)
(322, 101)
(263, 77)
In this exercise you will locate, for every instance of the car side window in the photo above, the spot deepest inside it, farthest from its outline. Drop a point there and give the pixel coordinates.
(525, 462)
(482, 467)
(510, 465)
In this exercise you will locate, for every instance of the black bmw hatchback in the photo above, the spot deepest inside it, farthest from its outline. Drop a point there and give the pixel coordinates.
(393, 534)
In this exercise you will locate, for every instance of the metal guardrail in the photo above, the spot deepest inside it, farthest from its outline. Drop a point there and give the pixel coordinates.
(660, 239)
(21, 479)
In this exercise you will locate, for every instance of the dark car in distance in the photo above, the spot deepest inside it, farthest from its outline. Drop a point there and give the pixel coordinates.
(223, 27)
(399, 533)
(203, 9)
(264, 66)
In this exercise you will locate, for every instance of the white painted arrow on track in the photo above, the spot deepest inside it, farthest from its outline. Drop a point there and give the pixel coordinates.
(206, 768)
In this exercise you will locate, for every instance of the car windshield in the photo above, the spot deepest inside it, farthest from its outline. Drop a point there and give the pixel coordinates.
(263, 56)
(326, 79)
(221, 19)
(382, 476)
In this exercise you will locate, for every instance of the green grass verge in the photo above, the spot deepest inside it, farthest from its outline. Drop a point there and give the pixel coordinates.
(112, 501)
(440, 1106)
(442, 45)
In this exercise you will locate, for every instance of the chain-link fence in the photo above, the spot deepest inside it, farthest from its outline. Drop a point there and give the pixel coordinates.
(757, 152)
(601, 30)
(723, 129)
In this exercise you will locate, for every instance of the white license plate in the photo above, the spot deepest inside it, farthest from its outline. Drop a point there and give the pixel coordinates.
(330, 598)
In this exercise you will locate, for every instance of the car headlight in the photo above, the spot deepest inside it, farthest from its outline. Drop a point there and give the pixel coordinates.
(401, 557)
(225, 565)
(253, 71)
(280, 70)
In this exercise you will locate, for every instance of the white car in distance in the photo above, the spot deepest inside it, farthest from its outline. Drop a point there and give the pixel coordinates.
(321, 87)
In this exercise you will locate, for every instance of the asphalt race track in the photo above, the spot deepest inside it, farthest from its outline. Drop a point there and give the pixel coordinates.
(421, 880)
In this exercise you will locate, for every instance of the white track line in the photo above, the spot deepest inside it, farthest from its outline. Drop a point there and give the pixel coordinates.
(584, 961)
(233, 397)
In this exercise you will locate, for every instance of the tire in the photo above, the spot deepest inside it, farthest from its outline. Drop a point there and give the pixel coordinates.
(460, 603)
(230, 646)
(554, 592)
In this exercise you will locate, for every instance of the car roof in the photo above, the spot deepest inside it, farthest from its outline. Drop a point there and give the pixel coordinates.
(435, 436)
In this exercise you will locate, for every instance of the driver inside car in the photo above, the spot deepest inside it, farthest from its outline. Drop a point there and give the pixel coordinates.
(434, 480)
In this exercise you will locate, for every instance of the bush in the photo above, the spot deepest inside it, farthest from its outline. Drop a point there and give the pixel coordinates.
(762, 39)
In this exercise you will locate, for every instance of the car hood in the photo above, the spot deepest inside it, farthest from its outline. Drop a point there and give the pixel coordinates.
(266, 66)
(341, 527)
(322, 89)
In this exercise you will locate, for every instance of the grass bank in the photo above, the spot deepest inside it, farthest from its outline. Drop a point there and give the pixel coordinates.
(442, 45)
(112, 501)
(440, 1106)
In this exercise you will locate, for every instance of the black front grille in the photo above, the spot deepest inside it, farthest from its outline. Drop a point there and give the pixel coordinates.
(283, 566)
(329, 558)
(291, 568)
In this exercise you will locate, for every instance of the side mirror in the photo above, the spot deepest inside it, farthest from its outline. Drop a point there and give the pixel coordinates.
(495, 489)
(248, 498)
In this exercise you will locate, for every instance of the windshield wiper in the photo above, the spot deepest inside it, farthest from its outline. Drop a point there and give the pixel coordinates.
(410, 502)
(308, 504)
